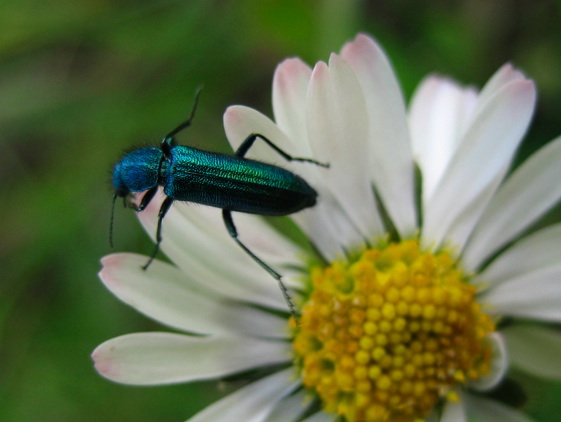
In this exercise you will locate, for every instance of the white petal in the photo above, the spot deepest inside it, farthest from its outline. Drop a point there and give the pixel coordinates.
(480, 409)
(290, 91)
(439, 113)
(499, 364)
(391, 160)
(268, 244)
(338, 130)
(257, 234)
(241, 121)
(505, 75)
(328, 228)
(293, 405)
(525, 196)
(538, 250)
(534, 349)
(323, 223)
(533, 295)
(327, 224)
(165, 358)
(210, 257)
(479, 164)
(164, 293)
(454, 412)
(252, 403)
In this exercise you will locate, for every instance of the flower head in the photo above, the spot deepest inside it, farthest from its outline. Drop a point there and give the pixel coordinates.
(428, 264)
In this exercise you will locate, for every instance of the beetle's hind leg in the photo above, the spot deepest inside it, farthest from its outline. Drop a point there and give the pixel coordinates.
(229, 222)
(250, 140)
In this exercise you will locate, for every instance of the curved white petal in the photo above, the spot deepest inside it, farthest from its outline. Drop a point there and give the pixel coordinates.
(267, 243)
(479, 165)
(480, 409)
(325, 224)
(252, 403)
(290, 92)
(531, 253)
(165, 358)
(533, 295)
(241, 121)
(290, 407)
(439, 113)
(534, 349)
(328, 228)
(165, 294)
(499, 364)
(503, 76)
(525, 196)
(453, 412)
(391, 160)
(338, 130)
(215, 262)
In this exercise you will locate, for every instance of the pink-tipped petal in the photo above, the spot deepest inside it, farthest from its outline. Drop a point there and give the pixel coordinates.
(338, 129)
(479, 165)
(290, 91)
(166, 294)
(165, 358)
(389, 149)
(439, 114)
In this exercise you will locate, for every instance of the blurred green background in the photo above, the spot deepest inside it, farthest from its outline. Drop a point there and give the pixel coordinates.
(81, 81)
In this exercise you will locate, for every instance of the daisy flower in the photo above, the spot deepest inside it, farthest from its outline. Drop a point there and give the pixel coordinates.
(427, 278)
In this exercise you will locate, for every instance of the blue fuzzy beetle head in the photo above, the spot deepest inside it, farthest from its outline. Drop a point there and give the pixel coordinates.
(137, 171)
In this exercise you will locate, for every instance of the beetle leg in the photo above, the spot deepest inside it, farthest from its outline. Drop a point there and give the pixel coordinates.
(248, 143)
(163, 210)
(229, 222)
(146, 199)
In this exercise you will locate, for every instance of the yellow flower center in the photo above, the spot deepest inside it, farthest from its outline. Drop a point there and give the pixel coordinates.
(384, 337)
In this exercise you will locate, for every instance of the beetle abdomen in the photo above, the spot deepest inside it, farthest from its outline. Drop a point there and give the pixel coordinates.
(235, 184)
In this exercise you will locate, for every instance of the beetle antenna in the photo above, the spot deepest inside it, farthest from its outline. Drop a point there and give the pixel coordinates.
(111, 221)
(187, 122)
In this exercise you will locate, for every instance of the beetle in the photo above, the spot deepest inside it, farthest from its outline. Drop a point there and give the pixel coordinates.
(230, 182)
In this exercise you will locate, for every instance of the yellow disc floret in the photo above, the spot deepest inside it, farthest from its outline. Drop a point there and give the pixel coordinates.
(385, 336)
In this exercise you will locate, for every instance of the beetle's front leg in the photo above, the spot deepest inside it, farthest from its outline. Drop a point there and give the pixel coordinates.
(146, 199)
(166, 205)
